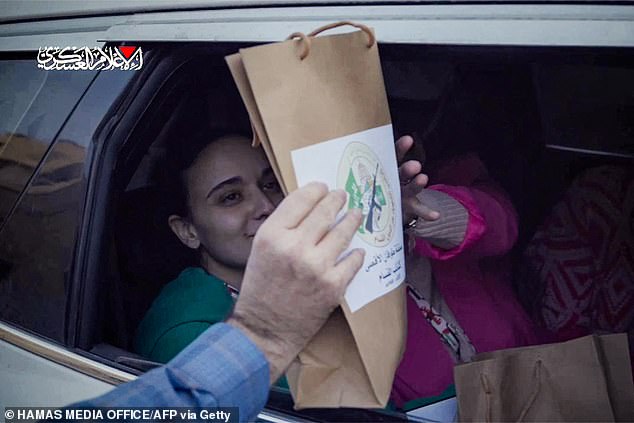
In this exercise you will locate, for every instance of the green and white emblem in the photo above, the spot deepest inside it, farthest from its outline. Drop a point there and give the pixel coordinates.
(361, 175)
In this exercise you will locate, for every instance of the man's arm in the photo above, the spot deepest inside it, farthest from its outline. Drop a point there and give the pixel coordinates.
(222, 368)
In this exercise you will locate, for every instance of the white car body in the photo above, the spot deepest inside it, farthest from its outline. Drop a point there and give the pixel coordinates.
(36, 371)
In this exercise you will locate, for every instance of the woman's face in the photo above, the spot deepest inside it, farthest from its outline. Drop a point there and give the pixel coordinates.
(231, 190)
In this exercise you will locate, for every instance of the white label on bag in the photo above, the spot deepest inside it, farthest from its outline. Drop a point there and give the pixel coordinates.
(364, 165)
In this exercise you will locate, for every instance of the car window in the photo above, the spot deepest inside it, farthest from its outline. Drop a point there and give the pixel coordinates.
(587, 106)
(456, 100)
(148, 254)
(33, 107)
(43, 154)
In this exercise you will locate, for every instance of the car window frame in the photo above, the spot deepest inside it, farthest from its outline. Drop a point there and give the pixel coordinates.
(123, 132)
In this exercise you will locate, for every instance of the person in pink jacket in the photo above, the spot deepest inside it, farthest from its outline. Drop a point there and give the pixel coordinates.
(460, 300)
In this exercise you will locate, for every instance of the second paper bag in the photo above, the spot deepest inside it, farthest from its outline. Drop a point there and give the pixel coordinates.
(309, 100)
(584, 379)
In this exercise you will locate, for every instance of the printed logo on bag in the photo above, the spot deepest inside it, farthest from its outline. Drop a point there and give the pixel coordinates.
(90, 58)
(361, 175)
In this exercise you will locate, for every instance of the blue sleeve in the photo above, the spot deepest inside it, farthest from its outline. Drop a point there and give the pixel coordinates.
(221, 368)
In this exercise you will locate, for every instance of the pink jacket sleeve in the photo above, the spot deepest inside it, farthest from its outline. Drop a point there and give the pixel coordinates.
(492, 222)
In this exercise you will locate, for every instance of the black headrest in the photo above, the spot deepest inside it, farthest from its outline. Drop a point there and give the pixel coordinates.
(149, 254)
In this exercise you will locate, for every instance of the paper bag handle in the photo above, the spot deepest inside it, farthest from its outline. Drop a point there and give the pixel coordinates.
(486, 387)
(305, 39)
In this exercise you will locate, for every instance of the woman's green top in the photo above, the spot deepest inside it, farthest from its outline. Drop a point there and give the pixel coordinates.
(184, 309)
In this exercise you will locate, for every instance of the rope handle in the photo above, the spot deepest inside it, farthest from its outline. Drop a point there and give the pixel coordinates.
(488, 393)
(537, 378)
(305, 39)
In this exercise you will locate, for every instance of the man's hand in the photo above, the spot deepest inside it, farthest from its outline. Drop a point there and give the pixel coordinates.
(412, 183)
(294, 278)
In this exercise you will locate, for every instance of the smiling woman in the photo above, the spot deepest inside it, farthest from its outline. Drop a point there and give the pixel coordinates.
(221, 191)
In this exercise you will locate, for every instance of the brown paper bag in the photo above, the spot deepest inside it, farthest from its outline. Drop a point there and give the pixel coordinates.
(298, 93)
(586, 379)
(617, 366)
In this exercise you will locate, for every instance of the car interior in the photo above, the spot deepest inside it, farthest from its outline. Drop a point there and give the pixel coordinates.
(536, 116)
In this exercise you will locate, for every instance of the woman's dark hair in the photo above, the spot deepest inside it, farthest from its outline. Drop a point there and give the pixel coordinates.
(180, 155)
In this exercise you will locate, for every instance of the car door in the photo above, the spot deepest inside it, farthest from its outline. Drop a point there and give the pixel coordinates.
(48, 120)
